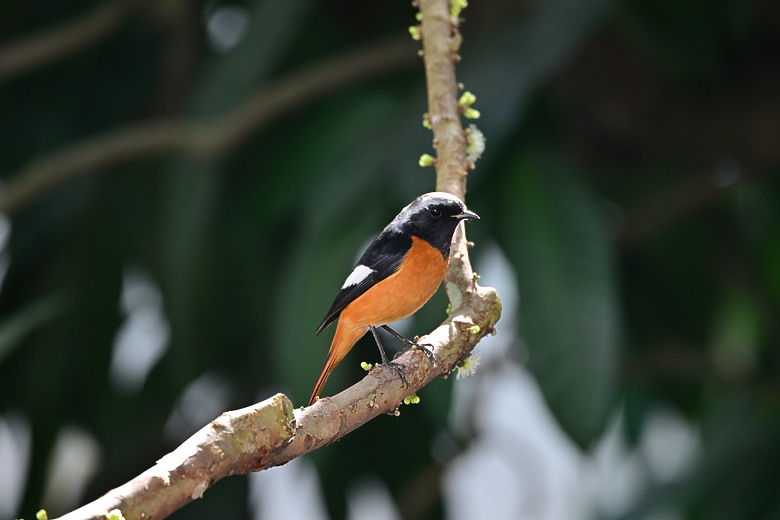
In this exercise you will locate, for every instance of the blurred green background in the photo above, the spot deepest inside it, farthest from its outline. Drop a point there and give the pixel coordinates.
(630, 210)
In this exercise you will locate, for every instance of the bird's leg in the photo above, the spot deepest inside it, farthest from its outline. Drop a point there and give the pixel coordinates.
(411, 344)
(398, 367)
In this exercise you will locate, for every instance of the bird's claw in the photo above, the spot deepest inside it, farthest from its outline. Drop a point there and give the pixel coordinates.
(427, 349)
(399, 369)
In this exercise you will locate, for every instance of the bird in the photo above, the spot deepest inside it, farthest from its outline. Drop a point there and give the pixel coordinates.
(396, 275)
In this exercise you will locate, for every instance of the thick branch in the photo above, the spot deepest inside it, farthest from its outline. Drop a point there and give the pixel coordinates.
(234, 443)
(271, 433)
(210, 139)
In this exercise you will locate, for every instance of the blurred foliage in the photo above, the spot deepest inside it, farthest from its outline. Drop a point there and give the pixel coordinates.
(630, 177)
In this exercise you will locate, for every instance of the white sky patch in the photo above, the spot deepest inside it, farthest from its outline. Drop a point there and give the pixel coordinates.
(226, 26)
(292, 492)
(143, 338)
(5, 256)
(359, 274)
(613, 475)
(15, 444)
(202, 401)
(369, 498)
(670, 445)
(74, 461)
(521, 464)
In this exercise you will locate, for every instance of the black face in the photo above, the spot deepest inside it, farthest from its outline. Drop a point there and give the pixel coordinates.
(433, 217)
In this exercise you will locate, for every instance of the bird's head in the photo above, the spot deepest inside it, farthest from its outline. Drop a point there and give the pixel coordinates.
(432, 217)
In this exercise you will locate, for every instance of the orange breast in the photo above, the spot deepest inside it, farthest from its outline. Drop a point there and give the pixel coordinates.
(402, 293)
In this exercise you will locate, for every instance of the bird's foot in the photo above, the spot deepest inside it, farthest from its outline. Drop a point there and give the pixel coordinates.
(425, 348)
(399, 369)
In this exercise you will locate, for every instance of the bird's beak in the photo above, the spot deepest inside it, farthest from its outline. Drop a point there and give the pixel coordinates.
(466, 215)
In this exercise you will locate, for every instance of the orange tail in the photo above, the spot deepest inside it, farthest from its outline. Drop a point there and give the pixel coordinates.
(343, 340)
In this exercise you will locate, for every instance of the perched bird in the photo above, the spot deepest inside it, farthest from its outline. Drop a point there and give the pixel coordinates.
(397, 274)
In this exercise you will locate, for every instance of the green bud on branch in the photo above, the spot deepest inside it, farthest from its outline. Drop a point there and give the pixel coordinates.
(471, 113)
(426, 160)
(456, 6)
(412, 399)
(467, 99)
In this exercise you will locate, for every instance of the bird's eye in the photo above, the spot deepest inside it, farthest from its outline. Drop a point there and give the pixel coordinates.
(435, 212)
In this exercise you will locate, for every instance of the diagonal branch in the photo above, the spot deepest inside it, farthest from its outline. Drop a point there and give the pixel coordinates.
(39, 49)
(271, 433)
(210, 139)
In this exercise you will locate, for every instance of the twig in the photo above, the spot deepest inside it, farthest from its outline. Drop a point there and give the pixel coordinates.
(21, 56)
(209, 139)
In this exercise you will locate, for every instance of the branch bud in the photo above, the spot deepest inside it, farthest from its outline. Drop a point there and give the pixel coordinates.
(426, 160)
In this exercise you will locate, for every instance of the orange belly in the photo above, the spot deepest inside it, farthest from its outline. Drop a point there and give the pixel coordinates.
(397, 296)
(402, 293)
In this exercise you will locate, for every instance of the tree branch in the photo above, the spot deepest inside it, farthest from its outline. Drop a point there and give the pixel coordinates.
(211, 139)
(21, 56)
(229, 445)
(271, 433)
(441, 42)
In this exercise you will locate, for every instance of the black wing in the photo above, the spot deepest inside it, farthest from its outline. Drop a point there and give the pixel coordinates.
(383, 257)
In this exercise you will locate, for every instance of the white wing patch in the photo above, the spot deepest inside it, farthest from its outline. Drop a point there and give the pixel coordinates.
(359, 274)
